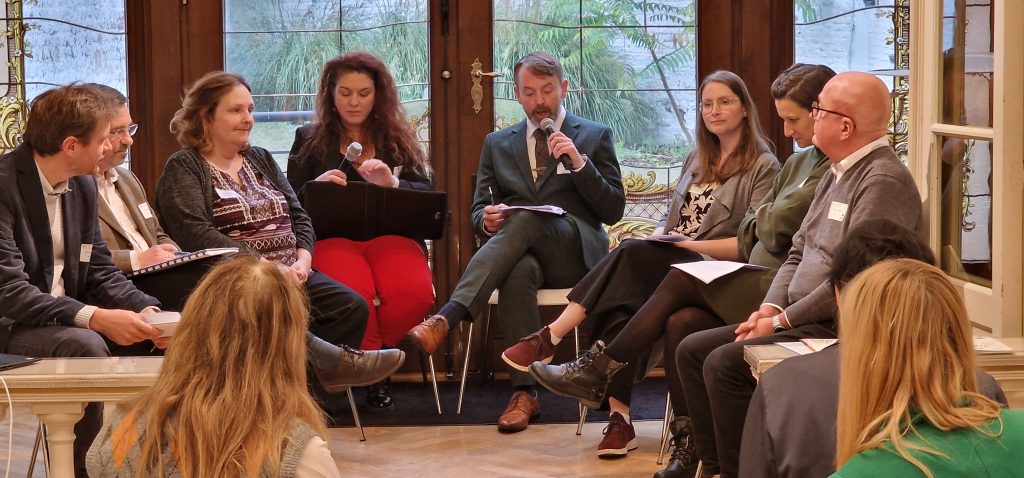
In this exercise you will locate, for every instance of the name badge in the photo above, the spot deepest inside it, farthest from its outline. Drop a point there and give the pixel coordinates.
(86, 254)
(226, 193)
(837, 211)
(147, 212)
(561, 169)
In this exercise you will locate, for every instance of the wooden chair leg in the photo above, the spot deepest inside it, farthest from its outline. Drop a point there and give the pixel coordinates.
(355, 414)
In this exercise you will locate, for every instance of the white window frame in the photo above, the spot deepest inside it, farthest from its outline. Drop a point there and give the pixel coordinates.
(996, 309)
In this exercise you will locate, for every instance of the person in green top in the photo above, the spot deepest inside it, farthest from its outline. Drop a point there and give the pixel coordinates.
(908, 399)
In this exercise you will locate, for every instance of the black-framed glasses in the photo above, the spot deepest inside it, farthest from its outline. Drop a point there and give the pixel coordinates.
(816, 112)
(120, 132)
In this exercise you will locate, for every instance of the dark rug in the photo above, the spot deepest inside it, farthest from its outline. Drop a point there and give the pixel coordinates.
(484, 401)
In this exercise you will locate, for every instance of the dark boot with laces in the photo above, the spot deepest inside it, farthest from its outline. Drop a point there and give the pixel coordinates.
(378, 395)
(683, 463)
(585, 379)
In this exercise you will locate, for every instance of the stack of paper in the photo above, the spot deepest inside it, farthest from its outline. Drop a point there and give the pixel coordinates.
(707, 271)
(165, 322)
(989, 345)
(547, 209)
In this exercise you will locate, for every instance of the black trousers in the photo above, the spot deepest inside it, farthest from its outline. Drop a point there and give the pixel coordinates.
(617, 287)
(337, 313)
(718, 386)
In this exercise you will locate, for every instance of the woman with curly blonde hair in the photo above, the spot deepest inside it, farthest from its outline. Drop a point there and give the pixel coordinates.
(908, 398)
(231, 398)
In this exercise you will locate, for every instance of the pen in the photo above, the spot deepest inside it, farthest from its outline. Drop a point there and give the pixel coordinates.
(491, 193)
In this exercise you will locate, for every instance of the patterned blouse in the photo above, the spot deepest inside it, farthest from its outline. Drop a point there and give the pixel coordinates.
(253, 213)
(699, 199)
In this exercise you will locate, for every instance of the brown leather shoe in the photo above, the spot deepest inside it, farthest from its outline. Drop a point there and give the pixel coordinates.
(427, 335)
(521, 408)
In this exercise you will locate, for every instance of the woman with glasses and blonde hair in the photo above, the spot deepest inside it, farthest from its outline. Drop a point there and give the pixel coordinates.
(908, 397)
(231, 398)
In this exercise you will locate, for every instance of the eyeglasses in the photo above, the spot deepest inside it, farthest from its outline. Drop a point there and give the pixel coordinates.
(120, 132)
(816, 112)
(724, 104)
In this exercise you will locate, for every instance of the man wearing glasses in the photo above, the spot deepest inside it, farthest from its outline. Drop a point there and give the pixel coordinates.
(127, 222)
(866, 181)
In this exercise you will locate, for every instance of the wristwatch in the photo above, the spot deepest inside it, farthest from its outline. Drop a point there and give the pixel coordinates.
(777, 324)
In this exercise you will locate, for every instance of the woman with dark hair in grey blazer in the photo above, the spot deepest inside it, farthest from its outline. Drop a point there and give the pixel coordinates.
(728, 172)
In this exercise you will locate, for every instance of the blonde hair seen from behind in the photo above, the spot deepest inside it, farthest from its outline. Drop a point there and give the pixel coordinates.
(233, 382)
(907, 352)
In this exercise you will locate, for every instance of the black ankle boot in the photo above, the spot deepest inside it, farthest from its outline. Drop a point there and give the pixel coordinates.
(683, 463)
(379, 394)
(585, 379)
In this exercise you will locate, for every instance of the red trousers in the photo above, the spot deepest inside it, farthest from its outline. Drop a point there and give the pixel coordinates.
(391, 269)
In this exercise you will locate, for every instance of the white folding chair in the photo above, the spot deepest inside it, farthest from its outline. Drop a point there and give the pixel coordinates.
(545, 297)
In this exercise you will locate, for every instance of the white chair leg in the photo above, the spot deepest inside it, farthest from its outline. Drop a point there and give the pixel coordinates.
(355, 414)
(465, 369)
(433, 381)
(40, 442)
(669, 416)
(583, 408)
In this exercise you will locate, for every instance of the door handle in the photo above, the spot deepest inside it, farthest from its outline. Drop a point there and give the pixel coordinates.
(477, 91)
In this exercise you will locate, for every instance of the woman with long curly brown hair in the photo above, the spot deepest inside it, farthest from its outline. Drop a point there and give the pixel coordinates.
(357, 102)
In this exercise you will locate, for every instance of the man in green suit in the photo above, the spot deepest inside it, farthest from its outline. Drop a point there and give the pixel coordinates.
(528, 250)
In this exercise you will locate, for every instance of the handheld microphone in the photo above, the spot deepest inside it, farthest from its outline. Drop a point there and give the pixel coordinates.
(352, 153)
(548, 125)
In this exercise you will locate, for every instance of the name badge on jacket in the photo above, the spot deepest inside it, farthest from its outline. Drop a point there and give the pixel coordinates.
(147, 212)
(86, 254)
(837, 211)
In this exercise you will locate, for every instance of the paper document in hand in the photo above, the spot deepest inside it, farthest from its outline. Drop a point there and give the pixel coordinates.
(667, 238)
(708, 271)
(546, 209)
(798, 347)
(165, 322)
(989, 345)
(818, 345)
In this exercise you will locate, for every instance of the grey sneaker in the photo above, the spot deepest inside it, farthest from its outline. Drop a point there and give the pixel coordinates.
(585, 379)
(357, 368)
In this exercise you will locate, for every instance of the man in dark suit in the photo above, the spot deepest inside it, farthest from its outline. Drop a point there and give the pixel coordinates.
(127, 222)
(529, 250)
(57, 281)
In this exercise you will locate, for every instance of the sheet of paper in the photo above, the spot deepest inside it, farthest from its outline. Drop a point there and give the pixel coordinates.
(818, 345)
(798, 347)
(708, 271)
(165, 322)
(989, 345)
(546, 209)
(667, 238)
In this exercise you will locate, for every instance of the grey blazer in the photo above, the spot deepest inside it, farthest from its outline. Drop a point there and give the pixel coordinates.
(134, 197)
(732, 198)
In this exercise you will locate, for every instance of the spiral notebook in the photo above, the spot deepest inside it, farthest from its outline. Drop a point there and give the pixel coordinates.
(184, 258)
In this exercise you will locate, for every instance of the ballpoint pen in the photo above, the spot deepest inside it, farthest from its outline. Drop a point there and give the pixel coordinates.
(491, 193)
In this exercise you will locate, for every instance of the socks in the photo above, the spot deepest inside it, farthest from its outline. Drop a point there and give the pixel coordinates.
(454, 313)
(625, 416)
(554, 340)
(531, 389)
(322, 354)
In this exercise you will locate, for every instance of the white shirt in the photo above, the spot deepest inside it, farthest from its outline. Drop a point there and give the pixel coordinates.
(110, 195)
(531, 142)
(51, 195)
(843, 166)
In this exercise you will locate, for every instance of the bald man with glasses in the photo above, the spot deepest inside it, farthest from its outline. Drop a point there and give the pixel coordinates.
(866, 181)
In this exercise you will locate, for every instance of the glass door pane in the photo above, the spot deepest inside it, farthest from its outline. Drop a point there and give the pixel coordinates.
(631, 64)
(279, 46)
